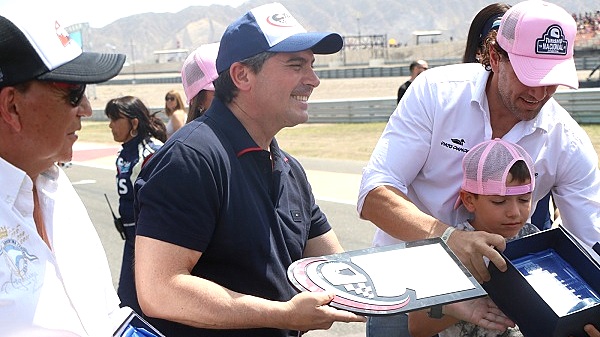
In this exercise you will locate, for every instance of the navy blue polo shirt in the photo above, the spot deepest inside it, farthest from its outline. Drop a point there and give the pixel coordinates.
(210, 188)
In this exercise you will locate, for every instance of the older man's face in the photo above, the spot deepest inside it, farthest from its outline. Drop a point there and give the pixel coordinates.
(50, 118)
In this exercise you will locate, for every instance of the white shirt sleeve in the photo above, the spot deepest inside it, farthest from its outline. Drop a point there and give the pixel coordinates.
(577, 189)
(404, 145)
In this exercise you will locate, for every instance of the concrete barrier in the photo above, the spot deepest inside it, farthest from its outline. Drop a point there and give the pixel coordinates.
(583, 104)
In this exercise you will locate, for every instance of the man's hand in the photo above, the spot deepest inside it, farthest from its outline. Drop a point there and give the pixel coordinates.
(480, 311)
(310, 311)
(471, 247)
(591, 330)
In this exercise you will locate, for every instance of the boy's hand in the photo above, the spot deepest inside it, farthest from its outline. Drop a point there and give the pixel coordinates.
(480, 311)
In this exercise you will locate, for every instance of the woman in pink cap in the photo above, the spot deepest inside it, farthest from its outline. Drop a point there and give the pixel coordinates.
(197, 74)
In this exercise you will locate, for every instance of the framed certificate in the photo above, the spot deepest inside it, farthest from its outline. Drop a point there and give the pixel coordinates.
(388, 280)
(133, 325)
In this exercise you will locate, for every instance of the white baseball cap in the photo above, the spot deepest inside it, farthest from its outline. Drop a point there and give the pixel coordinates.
(33, 47)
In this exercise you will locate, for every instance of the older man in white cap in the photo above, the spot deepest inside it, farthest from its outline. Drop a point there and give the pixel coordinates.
(410, 185)
(54, 276)
(218, 267)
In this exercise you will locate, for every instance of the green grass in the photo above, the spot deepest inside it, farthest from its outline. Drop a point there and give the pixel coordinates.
(96, 132)
(593, 131)
(336, 141)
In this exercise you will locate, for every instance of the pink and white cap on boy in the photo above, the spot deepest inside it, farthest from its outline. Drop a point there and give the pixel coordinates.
(199, 70)
(486, 167)
(539, 38)
(35, 46)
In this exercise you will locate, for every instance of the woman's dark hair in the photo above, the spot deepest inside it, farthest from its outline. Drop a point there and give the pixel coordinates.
(196, 109)
(477, 35)
(132, 107)
(225, 90)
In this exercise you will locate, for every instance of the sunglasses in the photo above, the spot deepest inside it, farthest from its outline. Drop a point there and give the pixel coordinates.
(169, 98)
(76, 91)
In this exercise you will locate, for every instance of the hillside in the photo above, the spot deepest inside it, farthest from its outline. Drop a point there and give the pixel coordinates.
(140, 35)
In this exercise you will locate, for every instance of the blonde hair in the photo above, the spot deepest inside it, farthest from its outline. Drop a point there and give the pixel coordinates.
(179, 106)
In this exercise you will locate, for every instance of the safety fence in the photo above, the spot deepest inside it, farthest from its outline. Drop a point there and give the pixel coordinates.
(583, 104)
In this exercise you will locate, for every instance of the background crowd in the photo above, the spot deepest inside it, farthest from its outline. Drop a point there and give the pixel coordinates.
(588, 23)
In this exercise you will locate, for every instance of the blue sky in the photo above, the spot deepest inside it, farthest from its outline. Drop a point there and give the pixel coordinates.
(99, 13)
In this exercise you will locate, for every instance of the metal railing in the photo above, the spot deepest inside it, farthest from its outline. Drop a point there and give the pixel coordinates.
(583, 104)
(351, 110)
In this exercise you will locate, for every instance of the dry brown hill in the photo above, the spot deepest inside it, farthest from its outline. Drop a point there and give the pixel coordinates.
(140, 35)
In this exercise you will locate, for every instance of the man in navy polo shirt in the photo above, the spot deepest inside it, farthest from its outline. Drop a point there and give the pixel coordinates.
(222, 211)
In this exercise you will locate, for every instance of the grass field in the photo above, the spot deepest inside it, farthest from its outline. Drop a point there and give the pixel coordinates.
(336, 141)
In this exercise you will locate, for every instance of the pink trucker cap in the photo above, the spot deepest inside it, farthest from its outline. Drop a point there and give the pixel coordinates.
(199, 71)
(539, 38)
(486, 166)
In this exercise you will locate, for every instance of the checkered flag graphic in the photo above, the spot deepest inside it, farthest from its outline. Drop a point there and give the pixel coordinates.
(361, 289)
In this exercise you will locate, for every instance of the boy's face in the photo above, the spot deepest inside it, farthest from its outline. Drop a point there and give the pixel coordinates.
(503, 215)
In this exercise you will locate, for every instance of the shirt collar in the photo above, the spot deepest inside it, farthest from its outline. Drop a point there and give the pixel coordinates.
(133, 142)
(219, 115)
(11, 180)
(478, 88)
(543, 120)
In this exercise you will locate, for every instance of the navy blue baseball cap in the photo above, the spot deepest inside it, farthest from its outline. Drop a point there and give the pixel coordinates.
(271, 28)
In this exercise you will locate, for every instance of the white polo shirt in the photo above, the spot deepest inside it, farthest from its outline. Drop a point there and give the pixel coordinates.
(445, 113)
(69, 288)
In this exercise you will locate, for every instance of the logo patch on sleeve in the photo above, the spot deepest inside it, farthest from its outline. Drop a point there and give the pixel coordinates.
(296, 215)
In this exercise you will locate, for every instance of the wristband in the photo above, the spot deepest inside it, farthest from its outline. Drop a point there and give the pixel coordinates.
(447, 234)
(435, 311)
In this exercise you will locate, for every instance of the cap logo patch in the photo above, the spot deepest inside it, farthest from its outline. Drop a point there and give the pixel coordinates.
(62, 34)
(552, 42)
(281, 20)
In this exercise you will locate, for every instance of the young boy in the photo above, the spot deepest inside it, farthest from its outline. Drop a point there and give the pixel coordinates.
(498, 179)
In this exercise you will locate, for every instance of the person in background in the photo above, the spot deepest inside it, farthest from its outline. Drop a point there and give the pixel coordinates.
(175, 111)
(409, 185)
(498, 179)
(140, 135)
(486, 20)
(219, 266)
(416, 67)
(54, 273)
(197, 75)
